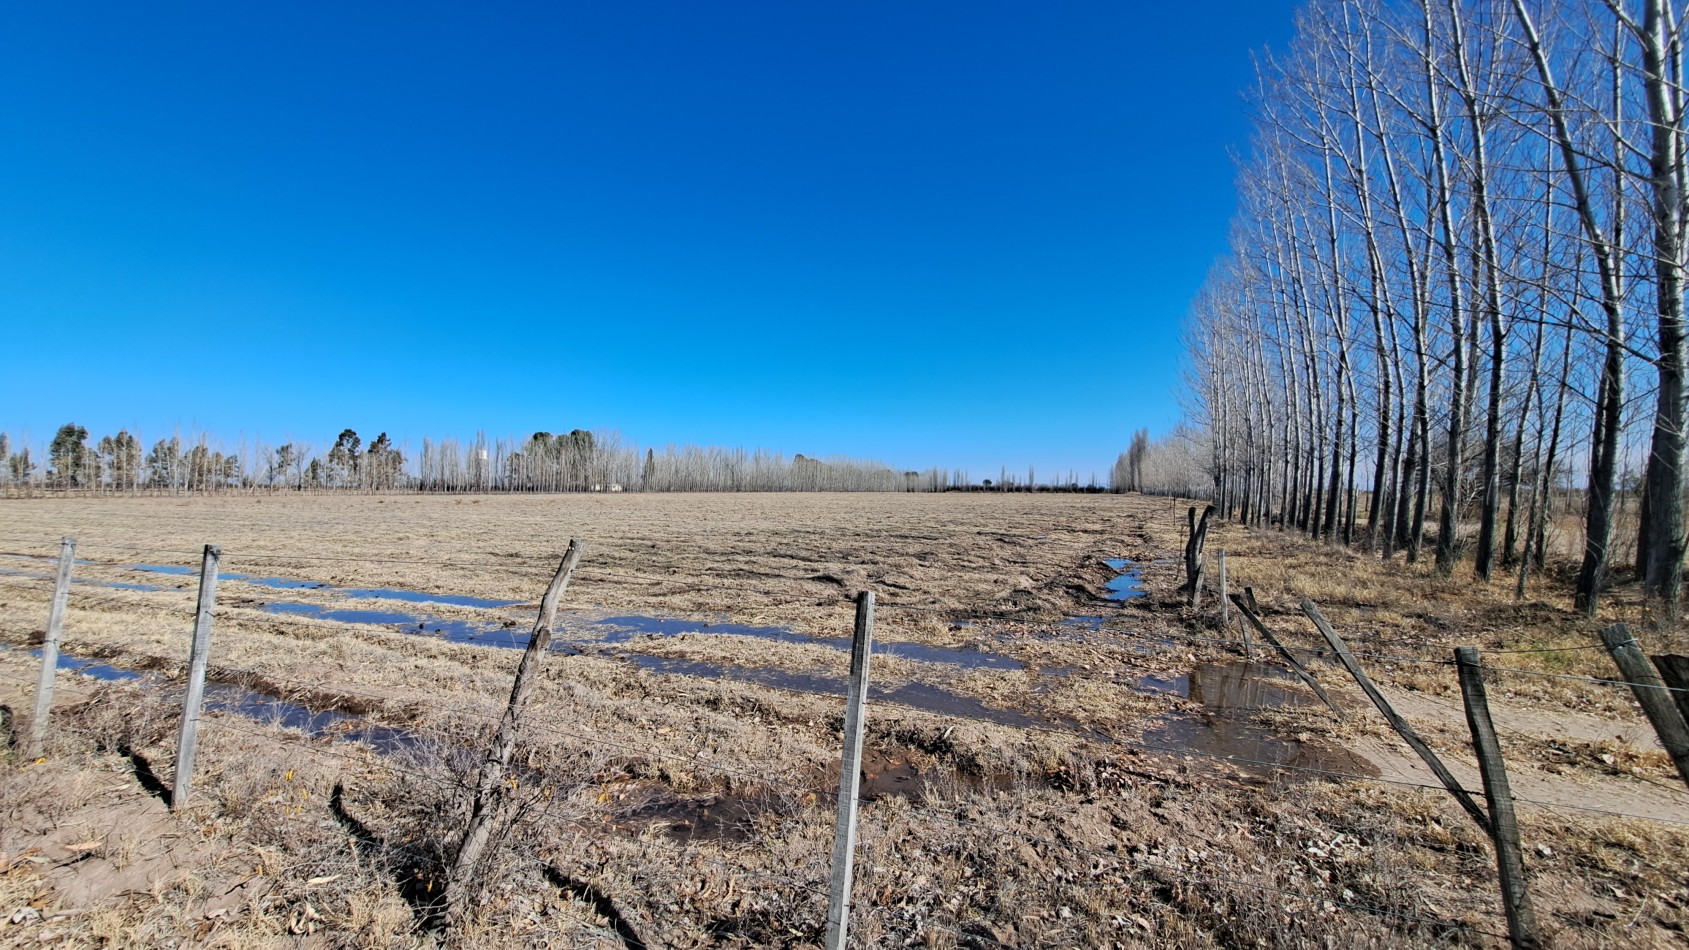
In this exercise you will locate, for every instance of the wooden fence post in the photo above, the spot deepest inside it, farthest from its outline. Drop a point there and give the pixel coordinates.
(50, 651)
(1250, 617)
(1397, 723)
(850, 774)
(1193, 554)
(198, 657)
(1504, 826)
(489, 786)
(1651, 693)
(1674, 672)
(1248, 642)
(1225, 605)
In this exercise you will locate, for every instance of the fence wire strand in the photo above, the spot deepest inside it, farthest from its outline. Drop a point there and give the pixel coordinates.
(563, 730)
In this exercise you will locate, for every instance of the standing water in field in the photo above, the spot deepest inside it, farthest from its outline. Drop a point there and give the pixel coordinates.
(1231, 694)
(1128, 585)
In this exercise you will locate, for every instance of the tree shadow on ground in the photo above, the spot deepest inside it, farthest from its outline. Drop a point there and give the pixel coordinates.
(417, 875)
(601, 904)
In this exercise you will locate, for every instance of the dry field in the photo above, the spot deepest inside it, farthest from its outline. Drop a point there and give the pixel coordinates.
(1048, 767)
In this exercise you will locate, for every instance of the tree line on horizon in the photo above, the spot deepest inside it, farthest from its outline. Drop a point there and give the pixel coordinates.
(576, 461)
(1455, 282)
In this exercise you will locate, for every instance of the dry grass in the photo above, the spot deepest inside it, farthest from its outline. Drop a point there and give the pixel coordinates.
(1027, 837)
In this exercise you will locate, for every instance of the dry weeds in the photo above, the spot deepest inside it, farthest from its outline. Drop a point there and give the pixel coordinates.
(692, 811)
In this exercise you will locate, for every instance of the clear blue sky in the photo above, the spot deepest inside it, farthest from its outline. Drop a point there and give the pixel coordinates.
(956, 234)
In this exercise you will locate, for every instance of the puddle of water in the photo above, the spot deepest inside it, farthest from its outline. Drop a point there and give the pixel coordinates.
(625, 628)
(939, 700)
(226, 697)
(317, 612)
(1126, 586)
(99, 671)
(1244, 687)
(418, 597)
(475, 632)
(619, 629)
(1229, 693)
(163, 569)
(1256, 749)
(11, 573)
(1174, 685)
(114, 585)
(86, 581)
(342, 727)
(965, 658)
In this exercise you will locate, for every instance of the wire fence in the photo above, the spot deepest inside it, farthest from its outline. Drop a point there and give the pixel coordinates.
(1066, 731)
(558, 727)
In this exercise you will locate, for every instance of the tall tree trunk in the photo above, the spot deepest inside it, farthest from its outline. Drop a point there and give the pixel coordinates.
(1605, 434)
(1663, 558)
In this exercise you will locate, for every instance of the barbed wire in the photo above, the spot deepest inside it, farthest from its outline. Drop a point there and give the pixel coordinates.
(237, 557)
(1154, 637)
(1236, 760)
(559, 727)
(1066, 732)
(1573, 649)
(382, 761)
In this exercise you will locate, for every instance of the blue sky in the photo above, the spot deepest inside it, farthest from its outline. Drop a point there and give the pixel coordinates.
(935, 234)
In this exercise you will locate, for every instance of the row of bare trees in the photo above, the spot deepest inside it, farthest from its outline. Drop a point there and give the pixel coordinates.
(602, 462)
(579, 461)
(1457, 275)
(116, 463)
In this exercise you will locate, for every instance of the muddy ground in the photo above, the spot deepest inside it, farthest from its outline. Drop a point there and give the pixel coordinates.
(1060, 753)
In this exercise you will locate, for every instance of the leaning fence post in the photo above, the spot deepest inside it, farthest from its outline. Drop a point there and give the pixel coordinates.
(197, 660)
(1193, 554)
(490, 780)
(50, 651)
(1397, 723)
(1504, 826)
(850, 774)
(1248, 642)
(1296, 666)
(1225, 605)
(1674, 672)
(1656, 701)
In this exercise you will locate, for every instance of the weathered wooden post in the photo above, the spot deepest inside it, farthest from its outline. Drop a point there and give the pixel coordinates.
(1250, 617)
(1397, 723)
(489, 784)
(1248, 642)
(1225, 605)
(198, 657)
(1504, 825)
(1193, 554)
(50, 651)
(1651, 693)
(850, 774)
(1674, 672)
